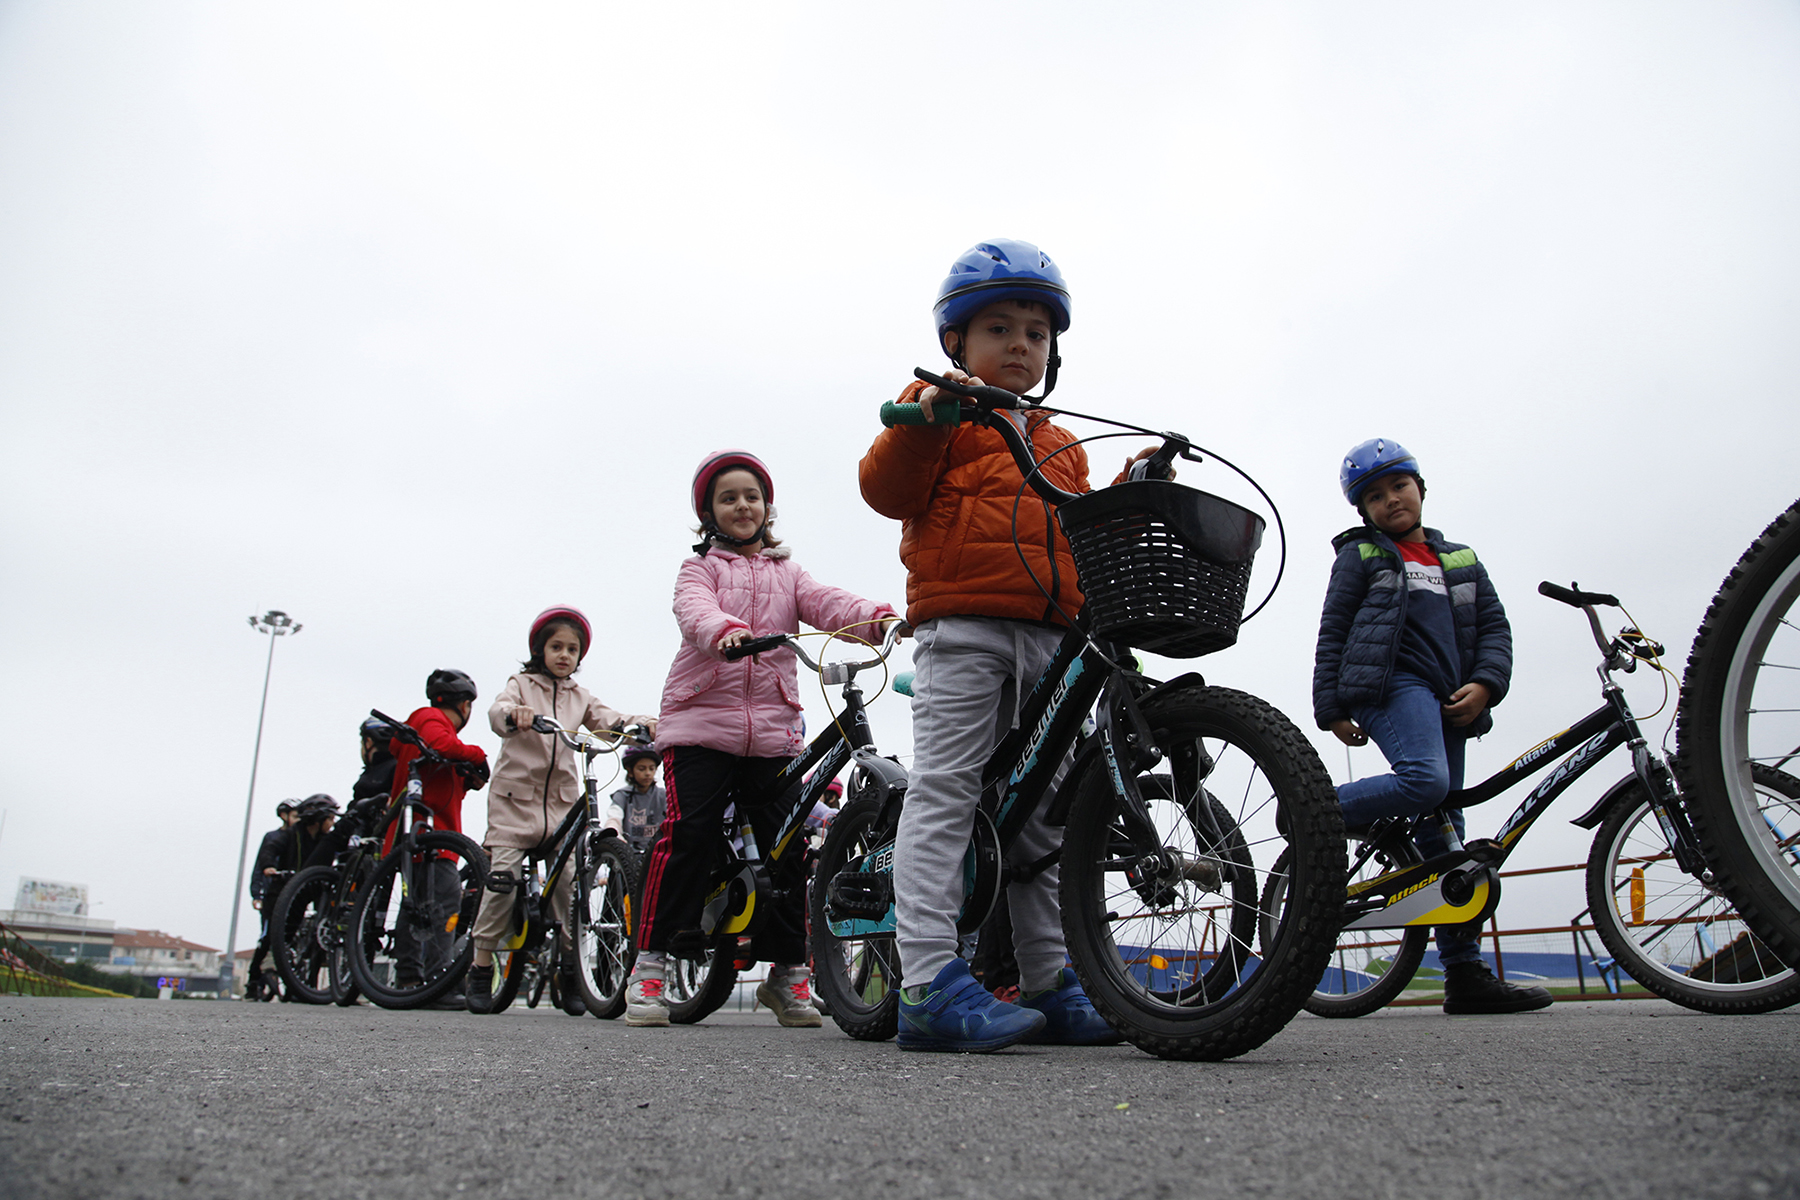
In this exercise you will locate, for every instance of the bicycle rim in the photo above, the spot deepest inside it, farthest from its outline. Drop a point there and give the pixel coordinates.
(858, 977)
(1170, 954)
(600, 923)
(1675, 935)
(411, 932)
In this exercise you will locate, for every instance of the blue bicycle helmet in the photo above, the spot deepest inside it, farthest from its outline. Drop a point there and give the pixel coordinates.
(1371, 460)
(1002, 269)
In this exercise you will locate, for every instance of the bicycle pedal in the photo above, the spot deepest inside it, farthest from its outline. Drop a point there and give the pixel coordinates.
(1485, 851)
(689, 944)
(501, 882)
(859, 895)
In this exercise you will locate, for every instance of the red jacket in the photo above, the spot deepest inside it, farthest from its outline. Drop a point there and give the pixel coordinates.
(443, 785)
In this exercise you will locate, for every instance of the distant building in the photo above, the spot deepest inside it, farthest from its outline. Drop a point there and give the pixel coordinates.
(64, 938)
(151, 952)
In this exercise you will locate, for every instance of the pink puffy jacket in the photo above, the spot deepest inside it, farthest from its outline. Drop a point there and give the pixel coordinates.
(748, 707)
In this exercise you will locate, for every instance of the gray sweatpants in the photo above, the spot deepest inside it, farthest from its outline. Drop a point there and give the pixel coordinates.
(971, 675)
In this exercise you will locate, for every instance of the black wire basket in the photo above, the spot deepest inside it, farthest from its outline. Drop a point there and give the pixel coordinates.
(1164, 567)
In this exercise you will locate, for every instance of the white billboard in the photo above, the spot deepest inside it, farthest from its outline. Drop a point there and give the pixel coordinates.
(50, 896)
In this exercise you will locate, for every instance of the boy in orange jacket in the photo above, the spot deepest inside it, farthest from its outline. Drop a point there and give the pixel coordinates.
(986, 624)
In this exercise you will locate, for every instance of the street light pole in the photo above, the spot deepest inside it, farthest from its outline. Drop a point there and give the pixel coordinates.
(275, 623)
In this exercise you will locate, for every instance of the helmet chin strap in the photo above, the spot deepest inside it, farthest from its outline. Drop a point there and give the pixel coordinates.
(710, 533)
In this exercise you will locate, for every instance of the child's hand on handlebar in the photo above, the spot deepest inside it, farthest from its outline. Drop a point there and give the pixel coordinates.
(1139, 457)
(931, 394)
(1349, 733)
(736, 637)
(521, 716)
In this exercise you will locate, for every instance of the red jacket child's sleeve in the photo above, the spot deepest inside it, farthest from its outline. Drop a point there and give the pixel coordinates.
(437, 732)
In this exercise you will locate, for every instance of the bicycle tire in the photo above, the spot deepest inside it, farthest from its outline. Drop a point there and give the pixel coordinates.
(301, 934)
(600, 912)
(1673, 934)
(857, 978)
(1750, 624)
(344, 991)
(384, 923)
(1359, 979)
(1278, 796)
(696, 988)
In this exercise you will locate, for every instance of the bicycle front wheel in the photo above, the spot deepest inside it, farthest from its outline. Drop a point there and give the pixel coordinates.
(857, 975)
(600, 924)
(696, 988)
(1369, 968)
(1166, 945)
(301, 934)
(411, 932)
(1676, 936)
(1740, 707)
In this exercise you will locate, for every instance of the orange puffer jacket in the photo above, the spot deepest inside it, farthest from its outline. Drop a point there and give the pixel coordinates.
(955, 490)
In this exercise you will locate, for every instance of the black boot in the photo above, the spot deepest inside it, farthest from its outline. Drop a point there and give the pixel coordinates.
(569, 992)
(479, 989)
(1472, 988)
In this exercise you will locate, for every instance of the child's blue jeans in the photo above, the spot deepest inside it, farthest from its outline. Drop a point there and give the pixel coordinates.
(1426, 755)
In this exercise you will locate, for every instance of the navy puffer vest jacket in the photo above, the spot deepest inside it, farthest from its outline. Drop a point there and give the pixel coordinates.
(1365, 612)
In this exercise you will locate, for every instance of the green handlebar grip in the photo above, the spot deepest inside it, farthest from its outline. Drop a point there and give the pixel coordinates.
(944, 412)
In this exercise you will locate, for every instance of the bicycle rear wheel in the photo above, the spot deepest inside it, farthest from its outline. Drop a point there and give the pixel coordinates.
(301, 934)
(1369, 968)
(1740, 706)
(1676, 936)
(411, 932)
(600, 912)
(1166, 947)
(696, 988)
(857, 975)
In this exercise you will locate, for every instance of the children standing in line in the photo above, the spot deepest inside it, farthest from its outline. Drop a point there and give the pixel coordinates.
(638, 808)
(535, 785)
(730, 727)
(1414, 650)
(990, 587)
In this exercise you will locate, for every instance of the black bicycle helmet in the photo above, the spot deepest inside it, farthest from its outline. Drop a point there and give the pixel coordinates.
(454, 687)
(376, 730)
(317, 807)
(631, 756)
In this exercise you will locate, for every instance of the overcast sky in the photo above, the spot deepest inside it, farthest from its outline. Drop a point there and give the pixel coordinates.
(412, 320)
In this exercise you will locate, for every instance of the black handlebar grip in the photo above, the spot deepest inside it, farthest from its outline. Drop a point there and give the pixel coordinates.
(1574, 597)
(982, 393)
(399, 730)
(542, 725)
(754, 646)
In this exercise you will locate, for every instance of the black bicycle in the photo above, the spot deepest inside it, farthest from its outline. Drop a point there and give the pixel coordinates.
(412, 920)
(703, 964)
(310, 922)
(1650, 896)
(1171, 811)
(1740, 718)
(602, 879)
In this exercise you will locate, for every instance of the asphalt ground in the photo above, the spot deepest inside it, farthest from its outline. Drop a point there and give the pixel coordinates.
(128, 1098)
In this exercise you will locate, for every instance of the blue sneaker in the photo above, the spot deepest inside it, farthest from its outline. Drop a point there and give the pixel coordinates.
(1070, 1016)
(958, 1014)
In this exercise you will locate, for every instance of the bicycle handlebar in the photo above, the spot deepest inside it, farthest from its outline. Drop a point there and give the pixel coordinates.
(775, 641)
(1586, 601)
(595, 742)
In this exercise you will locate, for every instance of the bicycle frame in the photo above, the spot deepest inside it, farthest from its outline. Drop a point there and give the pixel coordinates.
(1467, 886)
(731, 907)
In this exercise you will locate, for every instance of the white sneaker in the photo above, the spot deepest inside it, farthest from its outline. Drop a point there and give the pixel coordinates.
(789, 997)
(644, 1003)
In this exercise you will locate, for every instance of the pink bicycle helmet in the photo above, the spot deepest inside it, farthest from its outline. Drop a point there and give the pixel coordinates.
(561, 613)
